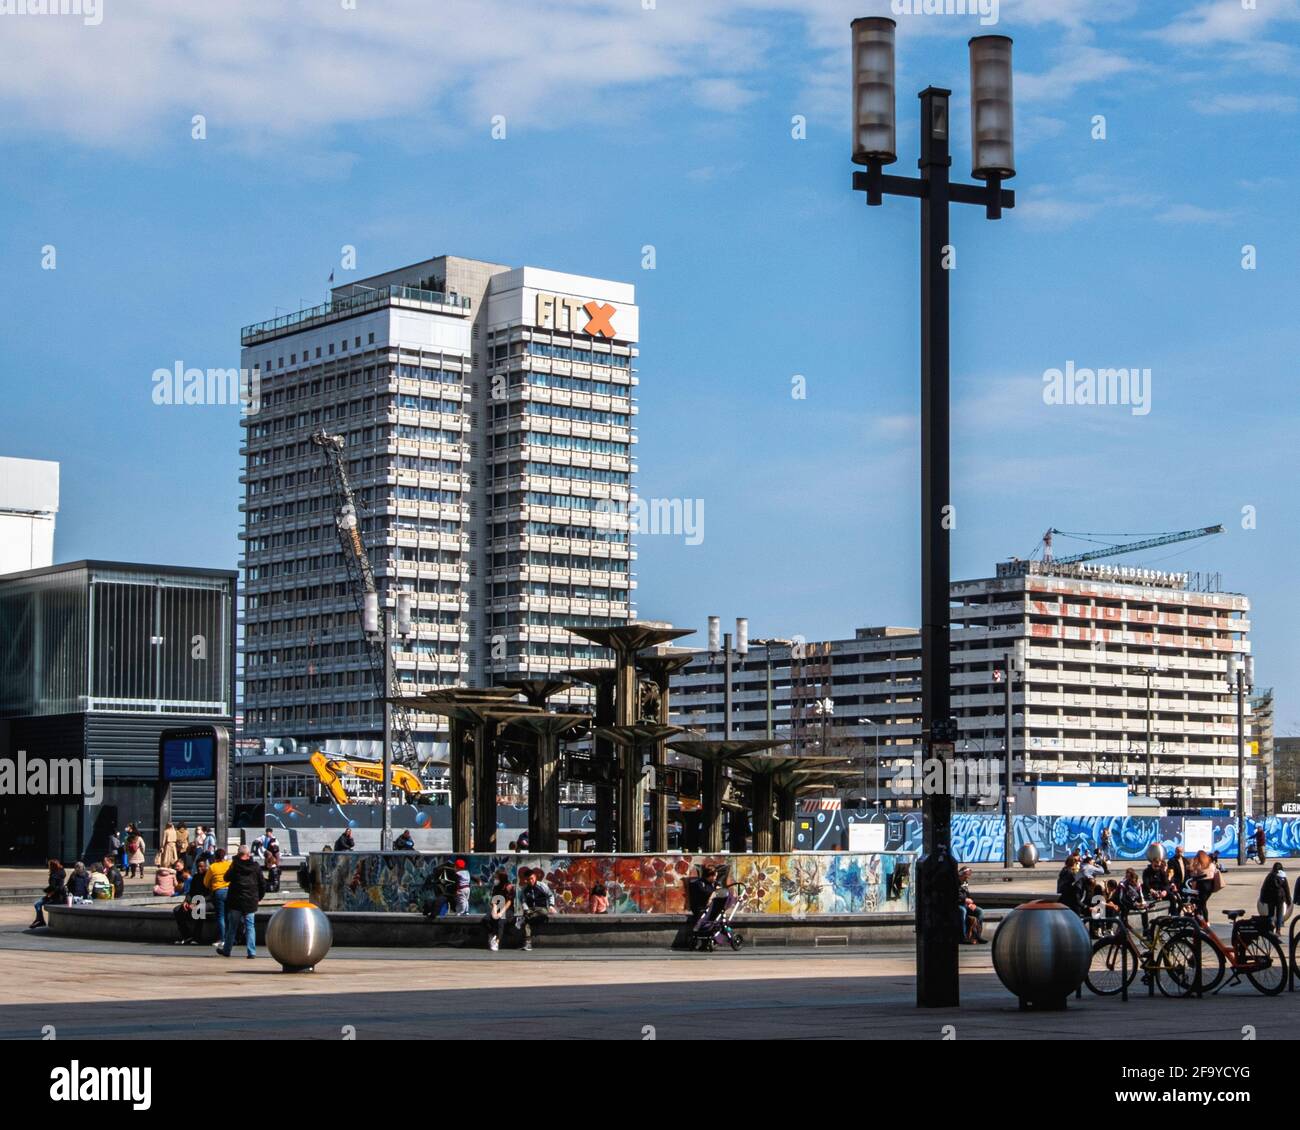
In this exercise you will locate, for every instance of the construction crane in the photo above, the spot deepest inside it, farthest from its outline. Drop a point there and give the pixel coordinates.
(1114, 550)
(361, 578)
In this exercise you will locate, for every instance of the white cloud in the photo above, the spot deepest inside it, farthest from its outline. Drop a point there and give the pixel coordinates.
(1194, 214)
(1247, 104)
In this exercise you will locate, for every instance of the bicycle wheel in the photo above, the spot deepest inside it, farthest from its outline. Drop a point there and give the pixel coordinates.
(1264, 951)
(1106, 973)
(1176, 966)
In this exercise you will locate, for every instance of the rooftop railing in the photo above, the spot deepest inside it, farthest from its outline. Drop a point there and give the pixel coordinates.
(347, 305)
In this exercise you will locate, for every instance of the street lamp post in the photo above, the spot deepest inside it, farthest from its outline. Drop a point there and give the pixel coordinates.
(1015, 662)
(386, 625)
(874, 146)
(875, 729)
(1241, 677)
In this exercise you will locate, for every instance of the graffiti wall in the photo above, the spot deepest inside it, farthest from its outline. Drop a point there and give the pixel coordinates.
(806, 883)
(978, 837)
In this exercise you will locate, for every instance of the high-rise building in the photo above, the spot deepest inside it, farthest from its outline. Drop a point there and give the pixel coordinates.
(1117, 662)
(29, 502)
(487, 414)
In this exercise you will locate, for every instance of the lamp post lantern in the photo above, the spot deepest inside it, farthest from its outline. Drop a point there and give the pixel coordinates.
(1241, 677)
(993, 161)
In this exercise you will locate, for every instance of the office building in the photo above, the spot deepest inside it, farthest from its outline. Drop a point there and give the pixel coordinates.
(487, 413)
(1120, 665)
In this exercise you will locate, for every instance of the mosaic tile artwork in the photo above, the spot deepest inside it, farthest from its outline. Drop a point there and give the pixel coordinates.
(803, 883)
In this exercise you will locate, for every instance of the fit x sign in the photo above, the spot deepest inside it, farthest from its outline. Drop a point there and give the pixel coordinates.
(555, 312)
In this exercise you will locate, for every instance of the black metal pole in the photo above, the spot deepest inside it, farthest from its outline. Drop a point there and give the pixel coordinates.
(1008, 769)
(936, 914)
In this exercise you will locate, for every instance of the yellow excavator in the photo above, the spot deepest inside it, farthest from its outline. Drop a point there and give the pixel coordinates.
(332, 770)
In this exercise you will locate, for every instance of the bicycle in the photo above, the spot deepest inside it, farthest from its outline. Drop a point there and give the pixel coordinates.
(1254, 953)
(1156, 959)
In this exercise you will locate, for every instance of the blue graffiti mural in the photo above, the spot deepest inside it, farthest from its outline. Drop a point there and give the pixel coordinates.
(977, 837)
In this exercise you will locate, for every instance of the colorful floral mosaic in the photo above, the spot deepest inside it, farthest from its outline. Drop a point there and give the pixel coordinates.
(804, 883)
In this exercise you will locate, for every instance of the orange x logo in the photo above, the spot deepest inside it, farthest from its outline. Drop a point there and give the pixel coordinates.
(600, 316)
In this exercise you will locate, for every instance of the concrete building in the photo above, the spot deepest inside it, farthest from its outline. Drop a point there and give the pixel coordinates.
(1107, 648)
(29, 503)
(97, 658)
(488, 418)
(1286, 775)
(1262, 752)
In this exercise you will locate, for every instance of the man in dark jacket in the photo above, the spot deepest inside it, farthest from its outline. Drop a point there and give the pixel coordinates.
(1275, 898)
(537, 903)
(246, 890)
(1178, 871)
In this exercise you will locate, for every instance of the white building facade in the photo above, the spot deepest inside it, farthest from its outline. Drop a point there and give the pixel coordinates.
(486, 413)
(29, 505)
(1092, 638)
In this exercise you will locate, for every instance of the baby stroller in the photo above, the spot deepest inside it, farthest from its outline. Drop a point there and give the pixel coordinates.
(714, 925)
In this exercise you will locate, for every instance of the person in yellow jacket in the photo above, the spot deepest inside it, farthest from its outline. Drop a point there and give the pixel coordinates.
(219, 887)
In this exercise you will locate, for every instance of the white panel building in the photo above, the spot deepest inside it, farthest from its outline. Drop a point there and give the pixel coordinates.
(29, 503)
(487, 413)
(1110, 654)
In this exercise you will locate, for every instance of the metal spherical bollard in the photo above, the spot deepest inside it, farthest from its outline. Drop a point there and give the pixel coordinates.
(1156, 852)
(1028, 855)
(299, 935)
(1041, 953)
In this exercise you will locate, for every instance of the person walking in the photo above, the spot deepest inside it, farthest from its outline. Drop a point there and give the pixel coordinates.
(1206, 879)
(218, 887)
(247, 888)
(115, 845)
(1261, 843)
(170, 852)
(205, 844)
(1103, 850)
(183, 845)
(1178, 869)
(1275, 898)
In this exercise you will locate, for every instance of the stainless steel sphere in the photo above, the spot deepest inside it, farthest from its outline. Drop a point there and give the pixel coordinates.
(1028, 855)
(299, 936)
(1156, 852)
(1041, 953)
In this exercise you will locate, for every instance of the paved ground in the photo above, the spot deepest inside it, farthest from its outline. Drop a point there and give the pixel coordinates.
(104, 990)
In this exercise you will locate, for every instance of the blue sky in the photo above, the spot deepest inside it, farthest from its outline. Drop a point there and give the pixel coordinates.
(370, 125)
